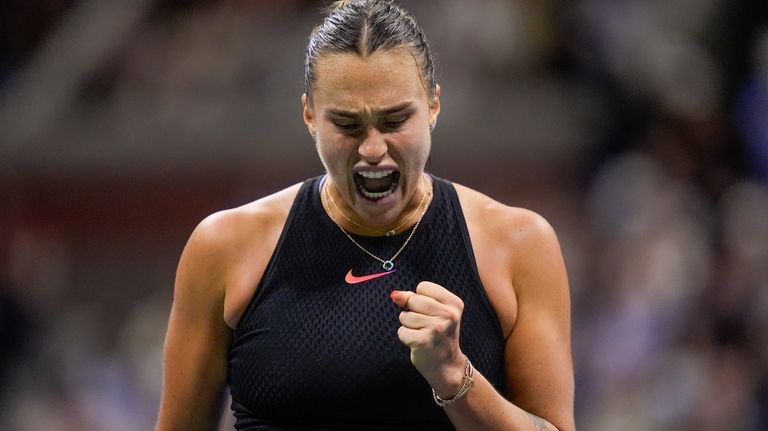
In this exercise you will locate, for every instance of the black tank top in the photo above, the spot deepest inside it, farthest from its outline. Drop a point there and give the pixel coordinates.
(313, 352)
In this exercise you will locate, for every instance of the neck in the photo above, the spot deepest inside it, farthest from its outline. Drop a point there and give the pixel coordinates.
(351, 222)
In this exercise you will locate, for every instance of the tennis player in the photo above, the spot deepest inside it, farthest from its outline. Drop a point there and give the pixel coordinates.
(377, 296)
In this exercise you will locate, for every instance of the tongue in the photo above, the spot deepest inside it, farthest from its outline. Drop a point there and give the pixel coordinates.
(377, 185)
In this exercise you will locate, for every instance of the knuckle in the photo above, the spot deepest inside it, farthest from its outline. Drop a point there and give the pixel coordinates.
(459, 304)
(440, 327)
(424, 339)
(421, 286)
(454, 315)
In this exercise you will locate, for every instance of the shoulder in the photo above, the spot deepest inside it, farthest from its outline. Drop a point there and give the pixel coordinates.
(224, 227)
(522, 240)
(224, 238)
(512, 225)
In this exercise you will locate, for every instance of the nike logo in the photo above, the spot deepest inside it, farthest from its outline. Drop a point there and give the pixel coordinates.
(351, 279)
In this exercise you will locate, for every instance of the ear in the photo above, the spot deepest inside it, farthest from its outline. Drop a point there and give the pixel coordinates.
(434, 106)
(309, 116)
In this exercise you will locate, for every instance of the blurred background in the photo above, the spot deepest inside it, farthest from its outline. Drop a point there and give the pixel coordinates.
(638, 128)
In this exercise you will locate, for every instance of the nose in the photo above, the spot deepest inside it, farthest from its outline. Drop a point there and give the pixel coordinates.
(374, 147)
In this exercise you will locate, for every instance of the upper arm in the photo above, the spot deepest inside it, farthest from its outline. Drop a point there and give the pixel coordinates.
(195, 365)
(538, 350)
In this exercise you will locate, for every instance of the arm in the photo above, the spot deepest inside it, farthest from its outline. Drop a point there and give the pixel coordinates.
(537, 352)
(195, 366)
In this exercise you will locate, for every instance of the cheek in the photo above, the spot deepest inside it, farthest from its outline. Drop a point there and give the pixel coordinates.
(334, 155)
(420, 147)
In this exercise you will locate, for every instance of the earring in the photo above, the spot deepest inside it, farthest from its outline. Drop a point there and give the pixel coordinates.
(432, 125)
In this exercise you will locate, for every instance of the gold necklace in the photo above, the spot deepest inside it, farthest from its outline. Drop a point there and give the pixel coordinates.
(388, 264)
(362, 226)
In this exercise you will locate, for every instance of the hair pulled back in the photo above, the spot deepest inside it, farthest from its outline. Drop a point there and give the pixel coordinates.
(364, 27)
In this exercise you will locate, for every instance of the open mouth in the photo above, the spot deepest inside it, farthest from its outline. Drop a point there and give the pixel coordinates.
(375, 185)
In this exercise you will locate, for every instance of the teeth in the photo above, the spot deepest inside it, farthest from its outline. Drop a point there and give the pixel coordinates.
(378, 195)
(375, 174)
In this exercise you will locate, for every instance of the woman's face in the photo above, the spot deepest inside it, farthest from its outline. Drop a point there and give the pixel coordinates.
(370, 118)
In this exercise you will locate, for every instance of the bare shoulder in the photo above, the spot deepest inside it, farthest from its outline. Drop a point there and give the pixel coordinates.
(514, 226)
(222, 240)
(228, 227)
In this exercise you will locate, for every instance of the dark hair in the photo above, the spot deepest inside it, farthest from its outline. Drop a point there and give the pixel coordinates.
(363, 27)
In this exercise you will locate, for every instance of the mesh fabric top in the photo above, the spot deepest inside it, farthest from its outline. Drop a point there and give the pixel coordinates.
(312, 352)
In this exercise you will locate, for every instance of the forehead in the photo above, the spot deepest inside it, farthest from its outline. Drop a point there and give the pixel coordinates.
(385, 78)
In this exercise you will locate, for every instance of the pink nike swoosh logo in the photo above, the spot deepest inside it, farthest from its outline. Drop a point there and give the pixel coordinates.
(352, 279)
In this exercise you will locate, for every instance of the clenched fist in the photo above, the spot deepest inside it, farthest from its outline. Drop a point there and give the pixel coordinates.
(430, 321)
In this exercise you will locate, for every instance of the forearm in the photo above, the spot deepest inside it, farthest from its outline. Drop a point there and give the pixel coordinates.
(194, 413)
(483, 408)
(194, 375)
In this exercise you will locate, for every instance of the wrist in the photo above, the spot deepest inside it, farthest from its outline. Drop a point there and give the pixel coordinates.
(456, 385)
(448, 376)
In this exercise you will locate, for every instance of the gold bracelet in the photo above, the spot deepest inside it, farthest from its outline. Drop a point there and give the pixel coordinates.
(469, 370)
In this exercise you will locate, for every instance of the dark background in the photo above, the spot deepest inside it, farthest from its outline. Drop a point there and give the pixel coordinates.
(638, 128)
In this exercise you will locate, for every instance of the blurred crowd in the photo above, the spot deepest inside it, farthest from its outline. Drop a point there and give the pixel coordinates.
(638, 128)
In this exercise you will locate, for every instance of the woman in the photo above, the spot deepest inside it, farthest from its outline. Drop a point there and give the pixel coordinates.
(376, 296)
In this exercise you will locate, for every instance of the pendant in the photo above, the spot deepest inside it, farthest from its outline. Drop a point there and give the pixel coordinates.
(388, 265)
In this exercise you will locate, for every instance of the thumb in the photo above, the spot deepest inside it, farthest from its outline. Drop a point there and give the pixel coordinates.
(401, 297)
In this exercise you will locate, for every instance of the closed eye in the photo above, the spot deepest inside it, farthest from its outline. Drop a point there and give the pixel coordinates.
(393, 125)
(349, 128)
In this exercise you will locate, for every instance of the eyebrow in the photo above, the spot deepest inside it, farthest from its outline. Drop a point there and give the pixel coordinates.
(385, 111)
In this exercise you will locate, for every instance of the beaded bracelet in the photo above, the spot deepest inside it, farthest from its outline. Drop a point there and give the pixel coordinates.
(469, 370)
